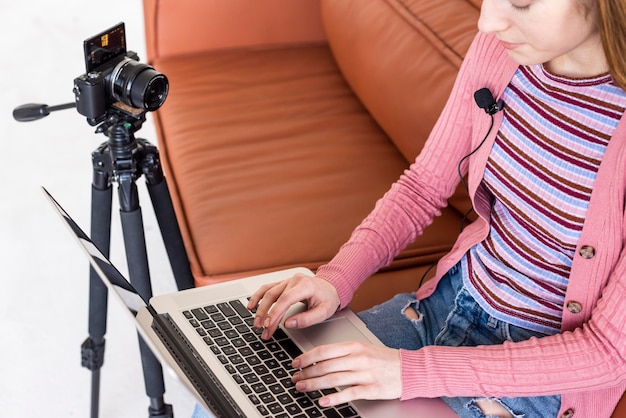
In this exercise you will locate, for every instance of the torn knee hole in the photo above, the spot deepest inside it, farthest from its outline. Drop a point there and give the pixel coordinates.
(493, 408)
(410, 313)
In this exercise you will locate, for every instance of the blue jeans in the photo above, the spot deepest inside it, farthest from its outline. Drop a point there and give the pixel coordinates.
(451, 317)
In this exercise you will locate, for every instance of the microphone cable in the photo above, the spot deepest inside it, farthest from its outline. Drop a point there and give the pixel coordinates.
(484, 99)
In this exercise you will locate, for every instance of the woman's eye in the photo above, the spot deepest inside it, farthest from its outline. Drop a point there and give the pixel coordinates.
(520, 7)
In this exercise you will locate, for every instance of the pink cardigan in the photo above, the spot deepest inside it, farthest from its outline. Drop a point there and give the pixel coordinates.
(586, 363)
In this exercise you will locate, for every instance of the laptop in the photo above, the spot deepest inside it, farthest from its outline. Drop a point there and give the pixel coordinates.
(204, 337)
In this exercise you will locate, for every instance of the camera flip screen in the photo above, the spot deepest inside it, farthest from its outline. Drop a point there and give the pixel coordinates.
(104, 47)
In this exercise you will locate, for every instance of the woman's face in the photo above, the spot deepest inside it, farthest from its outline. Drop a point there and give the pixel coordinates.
(560, 34)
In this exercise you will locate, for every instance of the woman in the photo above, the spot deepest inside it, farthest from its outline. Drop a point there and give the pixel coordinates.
(524, 316)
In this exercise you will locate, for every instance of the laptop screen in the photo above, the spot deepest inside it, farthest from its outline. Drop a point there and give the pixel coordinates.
(127, 293)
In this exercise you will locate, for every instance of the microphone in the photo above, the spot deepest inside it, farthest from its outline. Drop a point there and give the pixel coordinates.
(484, 99)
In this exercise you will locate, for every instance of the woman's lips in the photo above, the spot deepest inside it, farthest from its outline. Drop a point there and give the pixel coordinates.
(509, 45)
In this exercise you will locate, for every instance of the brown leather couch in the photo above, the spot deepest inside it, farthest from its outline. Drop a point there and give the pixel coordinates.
(286, 120)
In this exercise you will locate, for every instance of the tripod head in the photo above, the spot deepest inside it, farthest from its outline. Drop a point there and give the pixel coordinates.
(116, 87)
(122, 158)
(117, 113)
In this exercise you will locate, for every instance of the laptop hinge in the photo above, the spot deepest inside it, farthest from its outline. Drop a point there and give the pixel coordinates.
(197, 371)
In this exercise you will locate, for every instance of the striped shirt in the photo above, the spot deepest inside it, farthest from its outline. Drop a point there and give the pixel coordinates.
(540, 172)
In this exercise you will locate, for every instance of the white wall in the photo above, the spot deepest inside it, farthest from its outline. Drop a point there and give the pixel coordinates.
(43, 274)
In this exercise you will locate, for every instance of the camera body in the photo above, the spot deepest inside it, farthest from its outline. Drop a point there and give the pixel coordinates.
(115, 79)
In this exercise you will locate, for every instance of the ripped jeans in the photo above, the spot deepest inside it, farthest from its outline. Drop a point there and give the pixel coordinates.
(451, 317)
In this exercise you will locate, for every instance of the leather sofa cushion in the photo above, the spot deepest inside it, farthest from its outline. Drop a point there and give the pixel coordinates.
(272, 161)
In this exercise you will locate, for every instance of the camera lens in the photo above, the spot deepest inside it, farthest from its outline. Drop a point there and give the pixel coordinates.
(151, 89)
(138, 85)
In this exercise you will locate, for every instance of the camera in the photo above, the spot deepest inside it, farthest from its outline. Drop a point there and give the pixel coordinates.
(116, 80)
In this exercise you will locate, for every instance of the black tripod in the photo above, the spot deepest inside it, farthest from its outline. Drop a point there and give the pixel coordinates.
(123, 159)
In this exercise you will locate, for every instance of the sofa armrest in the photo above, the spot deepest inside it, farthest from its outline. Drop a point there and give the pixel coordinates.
(182, 27)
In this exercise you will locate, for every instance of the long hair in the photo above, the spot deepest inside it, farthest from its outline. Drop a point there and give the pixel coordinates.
(612, 26)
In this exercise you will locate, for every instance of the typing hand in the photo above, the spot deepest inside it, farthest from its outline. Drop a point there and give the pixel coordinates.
(273, 300)
(367, 372)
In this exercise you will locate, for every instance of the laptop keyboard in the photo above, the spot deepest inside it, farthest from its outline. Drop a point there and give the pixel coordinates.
(262, 369)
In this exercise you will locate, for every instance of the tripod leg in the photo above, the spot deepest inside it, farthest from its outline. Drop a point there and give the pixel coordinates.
(92, 350)
(172, 238)
(137, 258)
(166, 217)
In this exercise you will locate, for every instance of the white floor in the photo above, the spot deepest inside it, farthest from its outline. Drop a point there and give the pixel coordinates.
(44, 284)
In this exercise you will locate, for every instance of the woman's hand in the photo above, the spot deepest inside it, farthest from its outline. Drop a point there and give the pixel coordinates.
(273, 300)
(365, 370)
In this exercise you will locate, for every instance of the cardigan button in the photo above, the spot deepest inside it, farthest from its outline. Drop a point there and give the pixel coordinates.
(568, 414)
(574, 307)
(587, 252)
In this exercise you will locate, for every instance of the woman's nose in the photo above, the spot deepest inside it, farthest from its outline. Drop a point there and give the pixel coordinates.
(493, 17)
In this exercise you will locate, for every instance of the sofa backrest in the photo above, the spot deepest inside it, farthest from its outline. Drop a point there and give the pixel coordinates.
(401, 58)
(175, 27)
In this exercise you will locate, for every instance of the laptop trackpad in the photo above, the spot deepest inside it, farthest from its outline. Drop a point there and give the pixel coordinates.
(334, 330)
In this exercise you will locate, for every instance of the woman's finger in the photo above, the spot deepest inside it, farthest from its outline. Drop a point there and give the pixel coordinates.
(366, 371)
